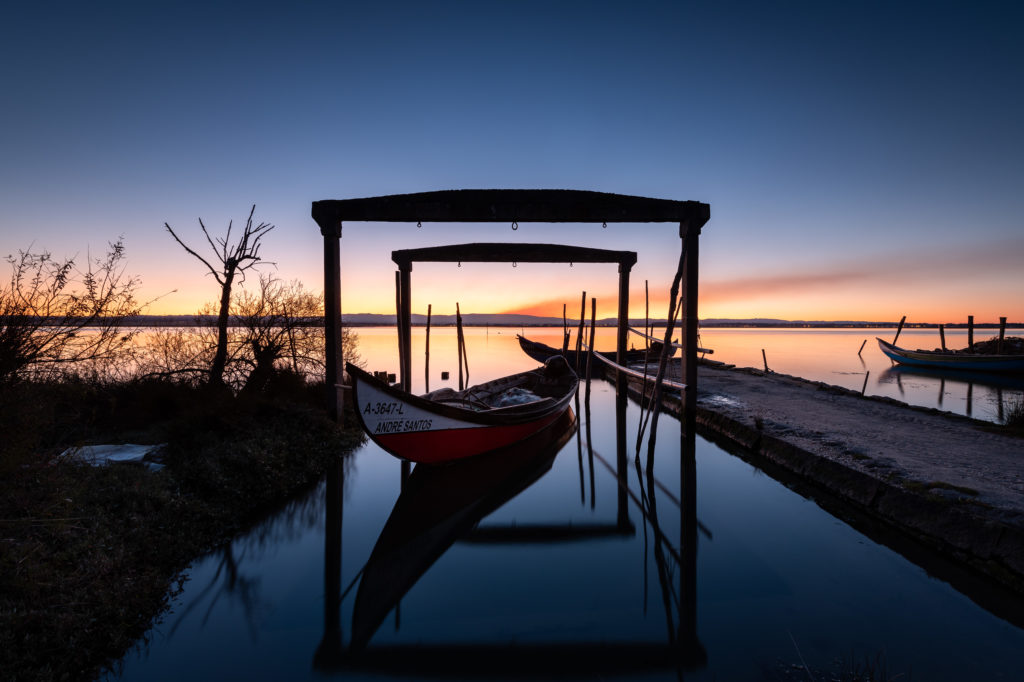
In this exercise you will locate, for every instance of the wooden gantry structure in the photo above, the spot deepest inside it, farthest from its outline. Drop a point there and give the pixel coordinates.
(508, 206)
(489, 252)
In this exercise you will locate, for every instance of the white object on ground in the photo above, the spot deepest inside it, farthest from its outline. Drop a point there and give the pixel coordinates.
(102, 455)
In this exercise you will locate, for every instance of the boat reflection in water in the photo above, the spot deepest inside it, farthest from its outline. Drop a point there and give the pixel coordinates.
(439, 506)
(1003, 387)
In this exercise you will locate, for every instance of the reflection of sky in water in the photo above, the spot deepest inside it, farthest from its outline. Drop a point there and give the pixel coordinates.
(772, 568)
(828, 355)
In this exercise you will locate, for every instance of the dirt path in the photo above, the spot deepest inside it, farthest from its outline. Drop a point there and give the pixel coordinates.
(883, 438)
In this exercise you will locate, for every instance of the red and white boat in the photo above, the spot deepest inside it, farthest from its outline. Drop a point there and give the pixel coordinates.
(446, 425)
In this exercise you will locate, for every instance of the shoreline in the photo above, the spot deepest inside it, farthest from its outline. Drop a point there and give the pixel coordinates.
(515, 321)
(948, 484)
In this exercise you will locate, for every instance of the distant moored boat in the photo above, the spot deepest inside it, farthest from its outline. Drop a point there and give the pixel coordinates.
(958, 360)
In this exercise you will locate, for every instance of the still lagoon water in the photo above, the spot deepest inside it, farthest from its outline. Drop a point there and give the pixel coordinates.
(582, 561)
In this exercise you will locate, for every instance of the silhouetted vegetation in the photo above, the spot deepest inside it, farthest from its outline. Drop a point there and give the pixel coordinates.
(275, 330)
(55, 314)
(234, 260)
(90, 555)
(1013, 418)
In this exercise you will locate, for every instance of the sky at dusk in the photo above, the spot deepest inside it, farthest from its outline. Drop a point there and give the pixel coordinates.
(862, 160)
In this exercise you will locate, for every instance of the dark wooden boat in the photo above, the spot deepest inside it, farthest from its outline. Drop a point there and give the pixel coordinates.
(447, 425)
(438, 505)
(958, 360)
(541, 352)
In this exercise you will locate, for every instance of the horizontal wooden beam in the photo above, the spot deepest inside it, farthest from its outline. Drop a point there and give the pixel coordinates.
(486, 252)
(509, 206)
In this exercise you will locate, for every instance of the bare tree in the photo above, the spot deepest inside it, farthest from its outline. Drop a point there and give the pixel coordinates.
(53, 314)
(234, 259)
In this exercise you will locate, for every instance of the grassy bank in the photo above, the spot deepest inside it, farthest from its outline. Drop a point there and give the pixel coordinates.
(89, 556)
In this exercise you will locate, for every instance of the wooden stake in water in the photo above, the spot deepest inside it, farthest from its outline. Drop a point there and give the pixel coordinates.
(865, 386)
(398, 326)
(970, 333)
(426, 362)
(458, 343)
(565, 333)
(942, 336)
(1002, 333)
(590, 346)
(862, 346)
(579, 334)
(765, 358)
(899, 329)
(647, 315)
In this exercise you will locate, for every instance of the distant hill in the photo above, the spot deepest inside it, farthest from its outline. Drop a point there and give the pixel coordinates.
(503, 320)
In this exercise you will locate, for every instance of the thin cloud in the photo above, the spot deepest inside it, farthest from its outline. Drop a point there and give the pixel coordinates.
(1006, 257)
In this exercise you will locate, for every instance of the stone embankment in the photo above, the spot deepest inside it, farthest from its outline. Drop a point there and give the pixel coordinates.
(952, 483)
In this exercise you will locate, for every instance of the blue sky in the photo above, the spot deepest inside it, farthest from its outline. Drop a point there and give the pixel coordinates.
(861, 160)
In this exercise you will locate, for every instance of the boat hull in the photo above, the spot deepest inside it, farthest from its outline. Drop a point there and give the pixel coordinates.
(949, 360)
(541, 352)
(437, 506)
(422, 430)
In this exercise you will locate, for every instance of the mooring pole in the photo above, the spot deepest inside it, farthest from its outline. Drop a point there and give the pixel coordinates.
(565, 333)
(406, 270)
(899, 329)
(647, 318)
(942, 336)
(579, 333)
(690, 236)
(689, 644)
(459, 343)
(398, 328)
(333, 360)
(590, 346)
(1002, 334)
(426, 359)
(970, 333)
(620, 344)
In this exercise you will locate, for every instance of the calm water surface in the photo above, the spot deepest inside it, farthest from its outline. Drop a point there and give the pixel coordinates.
(614, 571)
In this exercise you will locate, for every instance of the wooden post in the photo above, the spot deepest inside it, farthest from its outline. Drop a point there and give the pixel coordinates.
(426, 361)
(461, 345)
(942, 336)
(565, 333)
(862, 346)
(407, 326)
(465, 355)
(899, 329)
(579, 333)
(690, 235)
(334, 363)
(647, 315)
(398, 328)
(1002, 334)
(765, 358)
(590, 346)
(623, 321)
(865, 386)
(970, 333)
